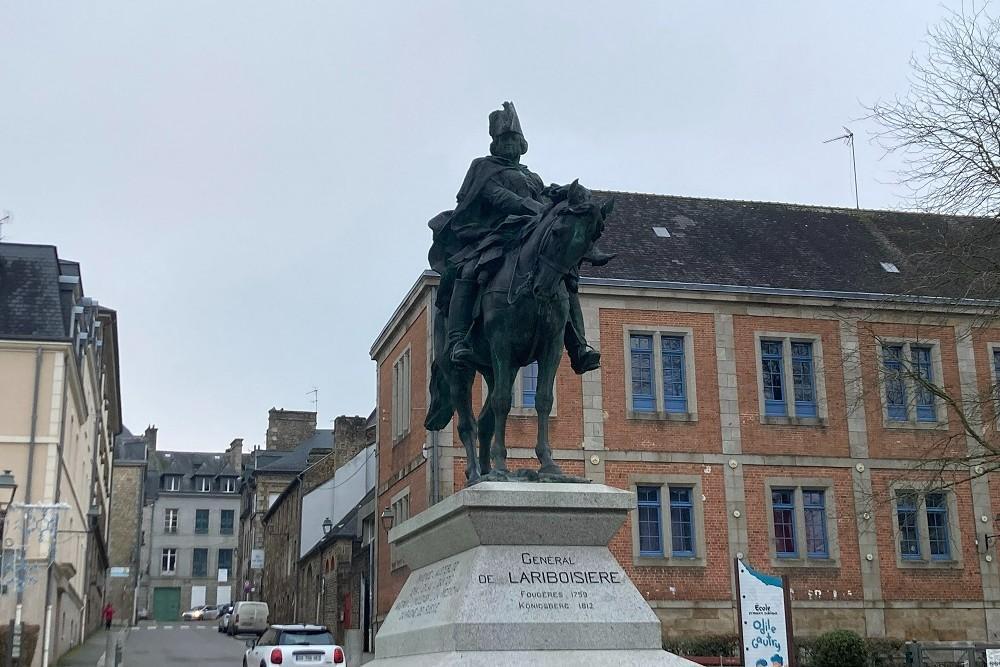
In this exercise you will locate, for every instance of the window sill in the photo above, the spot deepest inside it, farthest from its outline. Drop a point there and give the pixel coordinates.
(914, 564)
(663, 416)
(528, 412)
(400, 438)
(916, 426)
(805, 562)
(664, 561)
(772, 420)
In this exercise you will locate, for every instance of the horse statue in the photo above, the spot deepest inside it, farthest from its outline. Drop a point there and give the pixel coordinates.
(521, 318)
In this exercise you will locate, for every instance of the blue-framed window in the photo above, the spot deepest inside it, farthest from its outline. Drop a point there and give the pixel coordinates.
(937, 526)
(996, 371)
(922, 369)
(814, 506)
(529, 384)
(783, 511)
(674, 394)
(199, 563)
(643, 387)
(650, 524)
(895, 387)
(906, 520)
(803, 379)
(681, 521)
(774, 388)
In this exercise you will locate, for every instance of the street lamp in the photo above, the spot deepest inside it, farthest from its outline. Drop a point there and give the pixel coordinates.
(327, 526)
(388, 518)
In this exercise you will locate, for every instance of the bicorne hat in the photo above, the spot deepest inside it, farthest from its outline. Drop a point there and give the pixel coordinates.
(504, 120)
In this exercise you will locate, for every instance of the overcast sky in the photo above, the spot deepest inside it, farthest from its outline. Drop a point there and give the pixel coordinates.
(248, 183)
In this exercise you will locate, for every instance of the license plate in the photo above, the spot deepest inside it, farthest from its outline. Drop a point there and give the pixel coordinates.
(308, 657)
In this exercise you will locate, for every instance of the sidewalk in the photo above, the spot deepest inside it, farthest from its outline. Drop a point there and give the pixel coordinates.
(90, 652)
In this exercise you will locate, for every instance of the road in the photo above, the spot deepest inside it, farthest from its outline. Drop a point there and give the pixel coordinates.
(172, 644)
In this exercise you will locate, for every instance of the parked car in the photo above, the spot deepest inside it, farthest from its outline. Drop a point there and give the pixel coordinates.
(248, 616)
(210, 613)
(194, 614)
(294, 645)
(142, 615)
(225, 613)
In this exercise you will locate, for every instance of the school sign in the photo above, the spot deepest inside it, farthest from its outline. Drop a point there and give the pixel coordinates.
(765, 618)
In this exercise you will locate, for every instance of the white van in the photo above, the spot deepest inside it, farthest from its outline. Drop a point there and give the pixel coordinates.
(248, 617)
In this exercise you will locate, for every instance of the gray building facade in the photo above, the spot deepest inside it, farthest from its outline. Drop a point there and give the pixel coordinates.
(190, 526)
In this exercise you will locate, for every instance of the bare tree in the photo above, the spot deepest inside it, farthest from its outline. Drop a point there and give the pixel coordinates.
(946, 132)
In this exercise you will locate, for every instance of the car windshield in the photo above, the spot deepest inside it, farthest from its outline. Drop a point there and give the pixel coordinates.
(306, 638)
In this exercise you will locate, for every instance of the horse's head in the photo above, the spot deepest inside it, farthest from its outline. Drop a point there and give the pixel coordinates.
(577, 222)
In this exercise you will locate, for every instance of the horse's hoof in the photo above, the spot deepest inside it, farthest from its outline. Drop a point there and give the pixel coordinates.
(550, 469)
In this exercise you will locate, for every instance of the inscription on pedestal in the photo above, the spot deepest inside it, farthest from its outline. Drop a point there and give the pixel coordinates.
(431, 586)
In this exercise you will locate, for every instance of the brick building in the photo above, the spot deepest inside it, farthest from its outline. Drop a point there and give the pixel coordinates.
(753, 394)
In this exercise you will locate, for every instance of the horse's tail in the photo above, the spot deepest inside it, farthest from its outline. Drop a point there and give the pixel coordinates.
(440, 411)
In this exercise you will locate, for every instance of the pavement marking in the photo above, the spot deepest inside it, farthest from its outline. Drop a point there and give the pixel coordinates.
(185, 627)
(168, 627)
(151, 627)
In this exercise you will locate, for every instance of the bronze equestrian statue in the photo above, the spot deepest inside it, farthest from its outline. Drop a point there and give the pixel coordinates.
(508, 257)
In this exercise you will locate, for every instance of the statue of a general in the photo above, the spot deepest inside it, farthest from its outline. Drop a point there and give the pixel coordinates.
(509, 257)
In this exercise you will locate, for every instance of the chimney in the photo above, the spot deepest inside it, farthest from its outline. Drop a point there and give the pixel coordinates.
(150, 436)
(234, 453)
(287, 428)
(348, 437)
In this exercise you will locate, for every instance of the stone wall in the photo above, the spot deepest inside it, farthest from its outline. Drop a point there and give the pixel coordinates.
(280, 578)
(288, 428)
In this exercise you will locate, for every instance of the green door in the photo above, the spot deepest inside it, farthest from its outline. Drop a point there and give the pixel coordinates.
(166, 604)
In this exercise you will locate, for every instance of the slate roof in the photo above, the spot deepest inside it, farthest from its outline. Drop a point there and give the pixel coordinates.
(296, 459)
(784, 246)
(129, 447)
(33, 304)
(187, 464)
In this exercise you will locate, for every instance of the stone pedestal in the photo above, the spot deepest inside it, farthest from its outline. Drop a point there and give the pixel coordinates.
(509, 573)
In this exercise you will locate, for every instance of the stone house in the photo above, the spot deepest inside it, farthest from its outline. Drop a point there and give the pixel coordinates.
(128, 491)
(286, 534)
(751, 394)
(60, 410)
(189, 530)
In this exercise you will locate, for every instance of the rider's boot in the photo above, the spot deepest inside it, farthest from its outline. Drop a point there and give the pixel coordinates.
(463, 300)
(582, 357)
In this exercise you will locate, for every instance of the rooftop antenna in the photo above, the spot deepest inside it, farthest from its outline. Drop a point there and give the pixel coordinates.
(6, 217)
(315, 395)
(848, 138)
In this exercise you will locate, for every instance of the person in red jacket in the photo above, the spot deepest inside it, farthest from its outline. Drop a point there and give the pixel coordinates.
(109, 614)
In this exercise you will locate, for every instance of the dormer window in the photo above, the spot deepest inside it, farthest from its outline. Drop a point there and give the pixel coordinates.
(203, 484)
(228, 485)
(171, 482)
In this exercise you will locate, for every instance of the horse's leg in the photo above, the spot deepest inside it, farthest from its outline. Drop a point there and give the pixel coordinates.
(486, 422)
(548, 364)
(461, 397)
(500, 397)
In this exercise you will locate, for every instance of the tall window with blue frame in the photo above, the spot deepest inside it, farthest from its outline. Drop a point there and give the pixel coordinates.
(937, 526)
(803, 379)
(814, 508)
(774, 388)
(643, 386)
(996, 372)
(922, 373)
(783, 511)
(906, 520)
(681, 521)
(895, 387)
(650, 524)
(529, 384)
(674, 395)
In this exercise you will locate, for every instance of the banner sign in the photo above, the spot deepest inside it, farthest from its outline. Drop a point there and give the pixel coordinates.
(256, 559)
(992, 657)
(765, 618)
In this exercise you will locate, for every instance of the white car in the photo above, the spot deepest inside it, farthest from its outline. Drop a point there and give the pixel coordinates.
(194, 614)
(294, 645)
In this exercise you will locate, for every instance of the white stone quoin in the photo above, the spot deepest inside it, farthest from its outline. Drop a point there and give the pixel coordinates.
(513, 573)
